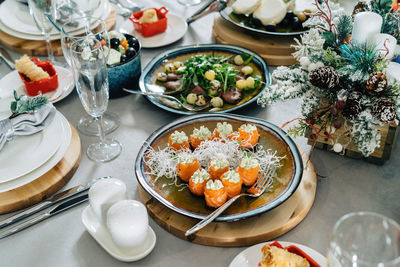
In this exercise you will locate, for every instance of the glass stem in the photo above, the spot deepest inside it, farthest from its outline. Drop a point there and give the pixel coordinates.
(101, 130)
(50, 53)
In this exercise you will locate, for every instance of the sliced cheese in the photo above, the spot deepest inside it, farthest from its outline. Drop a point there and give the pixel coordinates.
(270, 11)
(245, 6)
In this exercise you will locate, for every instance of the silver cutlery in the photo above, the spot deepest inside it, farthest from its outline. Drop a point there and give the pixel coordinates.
(264, 180)
(186, 106)
(62, 206)
(55, 199)
(210, 6)
(6, 58)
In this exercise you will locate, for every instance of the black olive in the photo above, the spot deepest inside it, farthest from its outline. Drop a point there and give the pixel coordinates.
(297, 24)
(284, 23)
(114, 42)
(257, 23)
(123, 58)
(290, 16)
(132, 41)
(131, 52)
(270, 27)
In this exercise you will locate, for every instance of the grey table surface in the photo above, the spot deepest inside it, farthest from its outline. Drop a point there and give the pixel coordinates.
(348, 185)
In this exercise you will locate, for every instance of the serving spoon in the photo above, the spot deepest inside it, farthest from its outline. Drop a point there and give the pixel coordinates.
(186, 106)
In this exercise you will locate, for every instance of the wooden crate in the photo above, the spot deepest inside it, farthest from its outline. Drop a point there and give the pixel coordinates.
(388, 137)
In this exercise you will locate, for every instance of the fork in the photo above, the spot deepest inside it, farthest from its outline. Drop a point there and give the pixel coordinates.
(264, 180)
(186, 106)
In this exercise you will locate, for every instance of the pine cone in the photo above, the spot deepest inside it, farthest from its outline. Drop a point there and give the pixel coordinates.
(353, 106)
(383, 109)
(324, 77)
(360, 7)
(376, 83)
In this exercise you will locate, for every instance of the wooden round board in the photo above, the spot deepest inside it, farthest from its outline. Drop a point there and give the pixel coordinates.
(245, 232)
(38, 48)
(47, 184)
(276, 50)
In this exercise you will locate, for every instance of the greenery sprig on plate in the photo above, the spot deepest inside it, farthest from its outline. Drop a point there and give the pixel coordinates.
(25, 104)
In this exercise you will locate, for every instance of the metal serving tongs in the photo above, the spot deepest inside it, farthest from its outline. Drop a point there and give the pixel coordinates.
(210, 6)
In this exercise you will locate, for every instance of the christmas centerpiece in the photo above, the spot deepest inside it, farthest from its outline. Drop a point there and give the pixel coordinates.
(347, 77)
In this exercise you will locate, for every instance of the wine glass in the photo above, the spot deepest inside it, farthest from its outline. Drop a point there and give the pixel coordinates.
(90, 73)
(189, 2)
(364, 239)
(97, 28)
(39, 10)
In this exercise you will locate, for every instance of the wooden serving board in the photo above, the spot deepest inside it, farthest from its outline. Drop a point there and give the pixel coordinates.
(261, 228)
(38, 48)
(46, 185)
(276, 50)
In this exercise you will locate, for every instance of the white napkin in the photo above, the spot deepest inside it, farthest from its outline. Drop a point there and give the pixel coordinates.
(26, 124)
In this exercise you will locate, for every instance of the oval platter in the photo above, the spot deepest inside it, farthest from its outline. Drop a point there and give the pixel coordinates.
(227, 14)
(183, 202)
(147, 82)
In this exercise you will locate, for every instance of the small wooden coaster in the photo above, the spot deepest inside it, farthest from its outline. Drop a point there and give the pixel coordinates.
(245, 232)
(38, 48)
(46, 185)
(276, 50)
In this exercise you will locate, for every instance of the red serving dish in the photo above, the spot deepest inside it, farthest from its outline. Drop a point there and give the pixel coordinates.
(33, 88)
(150, 29)
(298, 251)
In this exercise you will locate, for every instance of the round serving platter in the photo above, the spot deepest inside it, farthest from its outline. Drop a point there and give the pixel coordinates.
(183, 202)
(147, 82)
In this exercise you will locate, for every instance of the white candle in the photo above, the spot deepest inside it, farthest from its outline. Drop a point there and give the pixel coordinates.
(385, 44)
(393, 72)
(366, 25)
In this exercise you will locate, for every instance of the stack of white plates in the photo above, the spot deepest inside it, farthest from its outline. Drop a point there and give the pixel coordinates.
(26, 158)
(15, 20)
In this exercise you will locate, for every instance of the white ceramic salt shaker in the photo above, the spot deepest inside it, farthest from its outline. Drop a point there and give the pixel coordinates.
(103, 194)
(127, 222)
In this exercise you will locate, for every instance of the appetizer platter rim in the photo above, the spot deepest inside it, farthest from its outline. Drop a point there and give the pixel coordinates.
(225, 14)
(275, 130)
(227, 47)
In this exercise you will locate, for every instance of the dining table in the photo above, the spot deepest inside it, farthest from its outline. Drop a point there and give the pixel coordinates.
(344, 185)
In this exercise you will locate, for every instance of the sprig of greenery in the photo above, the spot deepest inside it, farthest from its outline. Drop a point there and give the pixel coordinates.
(298, 130)
(24, 104)
(344, 27)
(331, 58)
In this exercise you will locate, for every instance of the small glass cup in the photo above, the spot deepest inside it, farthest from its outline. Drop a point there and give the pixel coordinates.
(88, 62)
(364, 239)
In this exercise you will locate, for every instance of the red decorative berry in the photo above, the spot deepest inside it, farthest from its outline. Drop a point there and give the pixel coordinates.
(313, 137)
(341, 103)
(334, 111)
(337, 124)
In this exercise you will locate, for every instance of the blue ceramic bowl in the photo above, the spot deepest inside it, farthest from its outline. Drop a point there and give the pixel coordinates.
(124, 75)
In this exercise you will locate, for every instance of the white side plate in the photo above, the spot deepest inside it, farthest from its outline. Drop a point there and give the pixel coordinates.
(103, 237)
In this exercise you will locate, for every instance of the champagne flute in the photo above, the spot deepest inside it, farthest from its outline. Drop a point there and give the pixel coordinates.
(364, 239)
(90, 73)
(97, 28)
(39, 10)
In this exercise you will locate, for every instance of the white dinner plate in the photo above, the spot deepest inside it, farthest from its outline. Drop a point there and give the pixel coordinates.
(24, 154)
(251, 256)
(16, 16)
(176, 29)
(48, 165)
(100, 233)
(12, 81)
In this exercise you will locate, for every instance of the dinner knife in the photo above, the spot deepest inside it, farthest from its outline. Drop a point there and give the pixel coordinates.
(62, 206)
(69, 193)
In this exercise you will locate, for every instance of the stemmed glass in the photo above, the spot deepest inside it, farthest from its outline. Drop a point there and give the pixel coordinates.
(97, 28)
(90, 72)
(40, 9)
(189, 2)
(364, 239)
